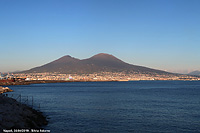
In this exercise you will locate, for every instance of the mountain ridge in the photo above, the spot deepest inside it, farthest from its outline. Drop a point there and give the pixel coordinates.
(196, 73)
(101, 62)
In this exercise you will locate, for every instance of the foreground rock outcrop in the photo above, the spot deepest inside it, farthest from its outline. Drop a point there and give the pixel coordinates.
(14, 115)
(4, 89)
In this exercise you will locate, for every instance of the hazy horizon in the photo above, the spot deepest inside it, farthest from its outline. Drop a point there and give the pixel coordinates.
(158, 34)
(175, 71)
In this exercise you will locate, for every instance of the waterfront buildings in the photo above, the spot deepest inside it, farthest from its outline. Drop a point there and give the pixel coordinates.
(103, 76)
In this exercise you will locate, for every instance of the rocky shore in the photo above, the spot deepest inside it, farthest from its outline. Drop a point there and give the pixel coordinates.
(4, 89)
(14, 115)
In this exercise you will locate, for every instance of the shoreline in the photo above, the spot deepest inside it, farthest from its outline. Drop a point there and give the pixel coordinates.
(15, 115)
(65, 81)
(47, 81)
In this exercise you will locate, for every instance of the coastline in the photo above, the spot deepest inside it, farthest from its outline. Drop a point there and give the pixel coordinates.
(48, 81)
(14, 115)
(64, 81)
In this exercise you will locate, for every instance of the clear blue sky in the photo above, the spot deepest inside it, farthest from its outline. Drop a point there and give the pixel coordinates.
(162, 34)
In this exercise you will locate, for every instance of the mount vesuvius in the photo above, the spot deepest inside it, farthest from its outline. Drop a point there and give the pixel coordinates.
(98, 63)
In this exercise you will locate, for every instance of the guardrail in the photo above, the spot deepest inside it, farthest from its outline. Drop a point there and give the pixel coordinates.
(27, 100)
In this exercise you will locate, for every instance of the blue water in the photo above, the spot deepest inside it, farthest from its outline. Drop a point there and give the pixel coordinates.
(136, 106)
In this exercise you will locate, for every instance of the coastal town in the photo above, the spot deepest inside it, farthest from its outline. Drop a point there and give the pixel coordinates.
(103, 76)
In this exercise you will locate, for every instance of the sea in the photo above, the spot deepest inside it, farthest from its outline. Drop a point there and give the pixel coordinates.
(116, 107)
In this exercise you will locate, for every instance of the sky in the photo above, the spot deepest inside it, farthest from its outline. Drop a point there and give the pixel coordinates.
(160, 34)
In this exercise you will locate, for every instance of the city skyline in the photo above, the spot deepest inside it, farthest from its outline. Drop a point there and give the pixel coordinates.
(158, 34)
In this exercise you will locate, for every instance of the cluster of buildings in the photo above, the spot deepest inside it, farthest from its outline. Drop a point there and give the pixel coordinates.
(6, 77)
(103, 76)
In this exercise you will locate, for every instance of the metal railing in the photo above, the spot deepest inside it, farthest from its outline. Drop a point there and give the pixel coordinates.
(27, 100)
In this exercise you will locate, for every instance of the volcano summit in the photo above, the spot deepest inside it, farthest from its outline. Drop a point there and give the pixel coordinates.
(96, 64)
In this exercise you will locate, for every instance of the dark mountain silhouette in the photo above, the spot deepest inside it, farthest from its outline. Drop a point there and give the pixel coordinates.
(197, 73)
(98, 63)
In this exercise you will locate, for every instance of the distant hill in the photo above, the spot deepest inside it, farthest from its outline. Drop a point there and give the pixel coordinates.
(197, 73)
(98, 63)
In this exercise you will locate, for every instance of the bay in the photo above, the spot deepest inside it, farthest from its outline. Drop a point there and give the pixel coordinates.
(134, 106)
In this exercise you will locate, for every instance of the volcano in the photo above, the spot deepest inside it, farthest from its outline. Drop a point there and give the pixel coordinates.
(98, 63)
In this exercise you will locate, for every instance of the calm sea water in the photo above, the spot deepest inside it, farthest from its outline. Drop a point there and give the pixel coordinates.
(136, 106)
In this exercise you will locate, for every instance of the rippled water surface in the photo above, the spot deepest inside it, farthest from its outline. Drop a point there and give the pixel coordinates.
(136, 106)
